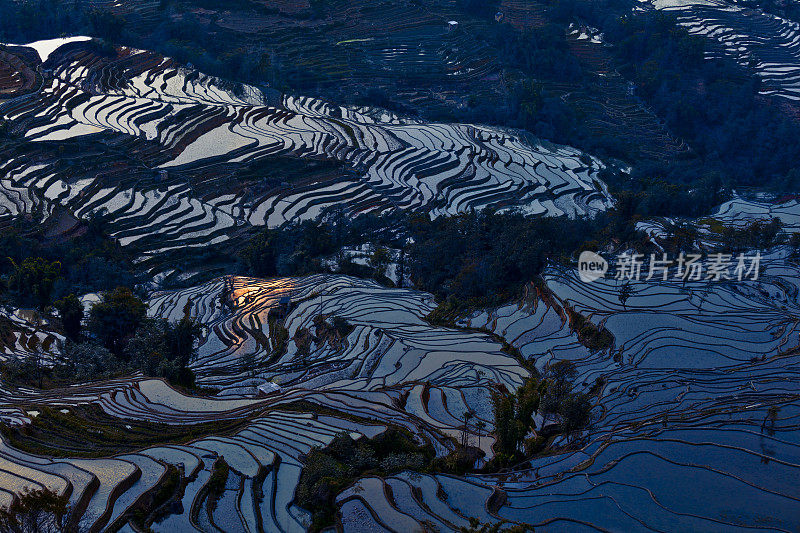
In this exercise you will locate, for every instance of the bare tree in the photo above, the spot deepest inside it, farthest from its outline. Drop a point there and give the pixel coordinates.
(481, 426)
(464, 434)
(625, 292)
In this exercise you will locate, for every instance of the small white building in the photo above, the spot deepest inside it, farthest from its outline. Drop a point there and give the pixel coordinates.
(268, 388)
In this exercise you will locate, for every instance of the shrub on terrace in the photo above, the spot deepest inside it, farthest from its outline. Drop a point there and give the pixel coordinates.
(70, 309)
(153, 506)
(162, 349)
(756, 235)
(327, 471)
(794, 243)
(551, 394)
(106, 24)
(379, 260)
(259, 255)
(32, 281)
(216, 483)
(475, 526)
(542, 52)
(36, 511)
(575, 413)
(590, 335)
(87, 361)
(115, 318)
(346, 266)
(659, 189)
(95, 274)
(681, 237)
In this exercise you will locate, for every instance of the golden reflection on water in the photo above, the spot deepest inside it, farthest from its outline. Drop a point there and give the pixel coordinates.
(244, 289)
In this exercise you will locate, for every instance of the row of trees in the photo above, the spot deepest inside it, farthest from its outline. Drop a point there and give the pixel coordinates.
(486, 257)
(316, 246)
(480, 258)
(469, 256)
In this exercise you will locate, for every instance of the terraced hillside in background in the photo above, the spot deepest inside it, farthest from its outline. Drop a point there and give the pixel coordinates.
(403, 52)
(764, 42)
(610, 107)
(177, 159)
(431, 61)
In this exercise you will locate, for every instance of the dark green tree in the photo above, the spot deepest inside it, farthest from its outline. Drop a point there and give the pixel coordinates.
(506, 425)
(625, 292)
(163, 349)
(88, 361)
(32, 281)
(115, 318)
(379, 261)
(71, 310)
(260, 255)
(575, 413)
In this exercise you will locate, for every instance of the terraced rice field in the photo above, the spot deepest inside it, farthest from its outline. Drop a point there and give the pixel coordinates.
(767, 43)
(16, 73)
(176, 125)
(391, 353)
(23, 333)
(697, 395)
(263, 457)
(736, 213)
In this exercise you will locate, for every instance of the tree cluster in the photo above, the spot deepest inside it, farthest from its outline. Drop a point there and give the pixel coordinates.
(316, 246)
(486, 257)
(35, 512)
(36, 270)
(119, 339)
(327, 471)
(552, 397)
